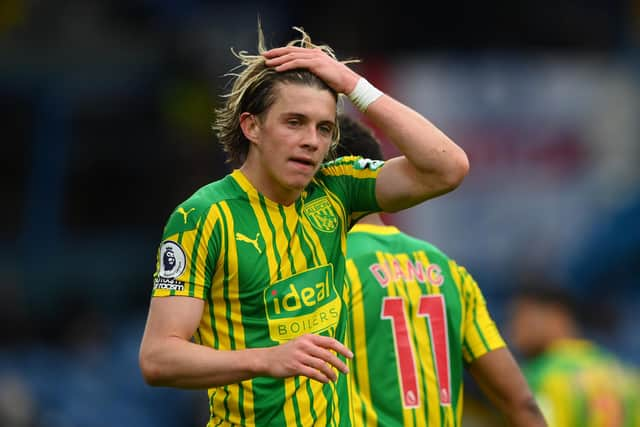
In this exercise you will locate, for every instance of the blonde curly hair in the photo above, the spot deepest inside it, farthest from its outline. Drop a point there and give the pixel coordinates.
(253, 91)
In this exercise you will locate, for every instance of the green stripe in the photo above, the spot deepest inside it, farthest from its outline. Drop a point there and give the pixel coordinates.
(327, 391)
(310, 393)
(468, 348)
(581, 408)
(225, 296)
(227, 302)
(194, 257)
(443, 415)
(309, 248)
(211, 399)
(172, 292)
(425, 392)
(225, 283)
(475, 322)
(354, 364)
(225, 403)
(296, 409)
(336, 199)
(274, 240)
(454, 325)
(216, 341)
(288, 236)
(305, 238)
(243, 418)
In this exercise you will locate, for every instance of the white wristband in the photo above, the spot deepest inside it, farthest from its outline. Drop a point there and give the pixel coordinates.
(364, 94)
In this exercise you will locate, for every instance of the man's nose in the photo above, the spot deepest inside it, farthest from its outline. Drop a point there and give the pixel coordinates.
(311, 138)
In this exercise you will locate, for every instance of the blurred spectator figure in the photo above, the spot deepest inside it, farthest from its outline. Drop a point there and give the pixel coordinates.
(576, 382)
(17, 405)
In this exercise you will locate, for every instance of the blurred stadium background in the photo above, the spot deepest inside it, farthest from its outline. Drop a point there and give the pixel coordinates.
(106, 109)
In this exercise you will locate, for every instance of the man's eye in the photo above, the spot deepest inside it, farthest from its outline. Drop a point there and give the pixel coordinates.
(293, 122)
(327, 130)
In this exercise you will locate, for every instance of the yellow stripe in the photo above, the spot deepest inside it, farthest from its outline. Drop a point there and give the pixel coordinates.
(269, 240)
(349, 170)
(487, 326)
(428, 362)
(337, 419)
(217, 292)
(337, 204)
(319, 403)
(289, 410)
(460, 405)
(465, 309)
(236, 319)
(299, 257)
(313, 240)
(483, 321)
(359, 343)
(265, 231)
(555, 395)
(357, 417)
(305, 235)
(304, 402)
(280, 242)
(219, 314)
(374, 229)
(203, 249)
(205, 327)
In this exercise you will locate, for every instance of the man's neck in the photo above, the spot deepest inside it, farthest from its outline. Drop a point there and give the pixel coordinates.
(373, 219)
(261, 182)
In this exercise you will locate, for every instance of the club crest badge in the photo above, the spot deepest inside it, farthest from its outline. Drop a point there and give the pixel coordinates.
(321, 215)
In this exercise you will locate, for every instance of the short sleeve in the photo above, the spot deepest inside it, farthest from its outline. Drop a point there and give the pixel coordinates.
(480, 333)
(186, 255)
(353, 178)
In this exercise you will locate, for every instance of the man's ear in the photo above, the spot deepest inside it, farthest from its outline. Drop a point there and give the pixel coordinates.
(250, 126)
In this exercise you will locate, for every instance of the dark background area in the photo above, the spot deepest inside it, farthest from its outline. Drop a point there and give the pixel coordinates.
(106, 108)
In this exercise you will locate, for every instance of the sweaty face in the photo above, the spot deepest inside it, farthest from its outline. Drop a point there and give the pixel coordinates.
(294, 137)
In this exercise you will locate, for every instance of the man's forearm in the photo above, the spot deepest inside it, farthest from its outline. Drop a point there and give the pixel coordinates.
(527, 414)
(426, 147)
(183, 364)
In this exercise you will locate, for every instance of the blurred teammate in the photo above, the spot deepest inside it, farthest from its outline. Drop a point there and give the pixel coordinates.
(416, 318)
(252, 266)
(576, 383)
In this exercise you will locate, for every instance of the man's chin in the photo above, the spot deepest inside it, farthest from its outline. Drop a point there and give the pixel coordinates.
(299, 185)
(300, 182)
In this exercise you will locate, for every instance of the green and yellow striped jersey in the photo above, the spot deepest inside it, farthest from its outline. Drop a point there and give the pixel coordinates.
(415, 316)
(268, 273)
(578, 384)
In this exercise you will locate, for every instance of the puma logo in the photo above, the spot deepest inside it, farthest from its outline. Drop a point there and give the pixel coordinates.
(184, 213)
(242, 238)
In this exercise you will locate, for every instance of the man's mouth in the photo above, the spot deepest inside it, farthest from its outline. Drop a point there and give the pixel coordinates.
(303, 161)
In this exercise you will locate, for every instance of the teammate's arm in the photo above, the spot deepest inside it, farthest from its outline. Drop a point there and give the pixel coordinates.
(500, 378)
(169, 358)
(431, 164)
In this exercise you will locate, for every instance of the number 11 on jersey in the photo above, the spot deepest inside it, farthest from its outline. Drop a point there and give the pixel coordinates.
(433, 308)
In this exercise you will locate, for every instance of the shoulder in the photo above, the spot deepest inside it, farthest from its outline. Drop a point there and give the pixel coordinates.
(189, 214)
(434, 253)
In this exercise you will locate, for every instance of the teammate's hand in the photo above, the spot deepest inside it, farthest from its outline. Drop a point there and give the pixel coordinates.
(335, 74)
(310, 355)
